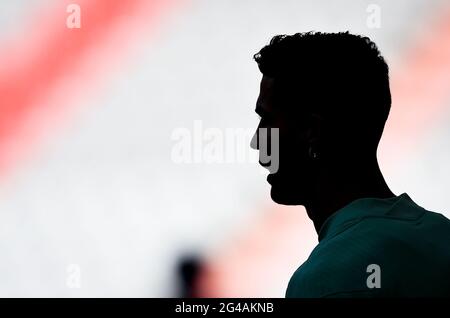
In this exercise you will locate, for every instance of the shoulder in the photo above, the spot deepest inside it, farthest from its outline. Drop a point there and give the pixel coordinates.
(339, 266)
(334, 268)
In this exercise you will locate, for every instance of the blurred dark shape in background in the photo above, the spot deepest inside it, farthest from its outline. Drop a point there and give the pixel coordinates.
(188, 269)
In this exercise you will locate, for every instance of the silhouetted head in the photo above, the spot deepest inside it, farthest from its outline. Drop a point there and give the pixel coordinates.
(328, 93)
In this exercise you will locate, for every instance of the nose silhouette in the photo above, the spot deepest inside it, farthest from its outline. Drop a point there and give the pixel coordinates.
(254, 144)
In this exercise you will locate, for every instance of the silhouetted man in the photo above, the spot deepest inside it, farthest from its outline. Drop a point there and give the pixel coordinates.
(328, 94)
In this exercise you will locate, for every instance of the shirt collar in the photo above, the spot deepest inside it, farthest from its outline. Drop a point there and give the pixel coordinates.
(361, 208)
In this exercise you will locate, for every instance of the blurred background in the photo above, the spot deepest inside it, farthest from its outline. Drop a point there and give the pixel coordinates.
(92, 202)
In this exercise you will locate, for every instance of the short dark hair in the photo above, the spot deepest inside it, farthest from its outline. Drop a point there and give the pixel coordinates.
(338, 75)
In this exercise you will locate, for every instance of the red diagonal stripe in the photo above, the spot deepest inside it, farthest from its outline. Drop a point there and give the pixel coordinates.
(31, 68)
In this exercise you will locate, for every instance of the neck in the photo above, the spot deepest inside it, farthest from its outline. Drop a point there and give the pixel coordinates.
(336, 188)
